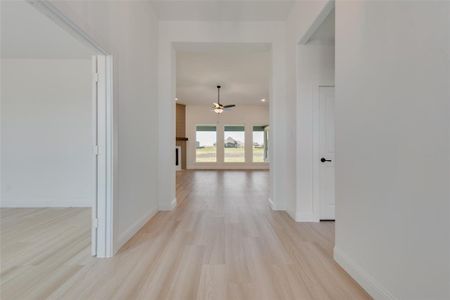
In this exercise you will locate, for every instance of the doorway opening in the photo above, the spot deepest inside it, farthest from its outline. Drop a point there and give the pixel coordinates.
(316, 162)
(56, 140)
(222, 113)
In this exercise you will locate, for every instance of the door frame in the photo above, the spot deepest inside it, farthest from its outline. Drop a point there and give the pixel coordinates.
(104, 147)
(316, 152)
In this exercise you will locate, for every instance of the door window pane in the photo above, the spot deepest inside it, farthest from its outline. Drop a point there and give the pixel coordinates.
(234, 144)
(205, 143)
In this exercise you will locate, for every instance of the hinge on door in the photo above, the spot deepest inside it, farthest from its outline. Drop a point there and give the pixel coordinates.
(96, 150)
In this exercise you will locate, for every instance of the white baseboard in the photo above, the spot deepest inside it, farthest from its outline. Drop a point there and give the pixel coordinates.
(169, 206)
(305, 217)
(271, 204)
(42, 204)
(133, 229)
(367, 282)
(292, 215)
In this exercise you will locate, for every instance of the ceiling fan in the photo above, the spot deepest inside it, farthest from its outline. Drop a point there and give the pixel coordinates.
(218, 108)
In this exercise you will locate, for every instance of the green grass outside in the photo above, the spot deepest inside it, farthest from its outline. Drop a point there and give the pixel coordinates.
(258, 154)
(208, 154)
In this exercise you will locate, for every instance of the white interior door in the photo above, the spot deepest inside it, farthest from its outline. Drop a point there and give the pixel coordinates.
(326, 153)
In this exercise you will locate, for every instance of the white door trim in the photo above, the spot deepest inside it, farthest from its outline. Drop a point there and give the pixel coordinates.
(106, 145)
(48, 9)
(104, 157)
(316, 154)
(94, 219)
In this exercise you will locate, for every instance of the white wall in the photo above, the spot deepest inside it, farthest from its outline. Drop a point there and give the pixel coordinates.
(281, 116)
(47, 133)
(393, 147)
(128, 31)
(247, 115)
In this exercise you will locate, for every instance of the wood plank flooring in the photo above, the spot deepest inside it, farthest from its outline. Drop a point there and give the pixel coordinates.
(221, 242)
(41, 248)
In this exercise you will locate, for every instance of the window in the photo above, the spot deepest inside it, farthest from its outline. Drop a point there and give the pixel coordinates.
(266, 143)
(234, 144)
(205, 144)
(260, 142)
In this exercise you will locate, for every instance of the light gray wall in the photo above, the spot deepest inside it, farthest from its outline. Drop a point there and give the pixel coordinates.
(393, 146)
(28, 33)
(47, 133)
(128, 30)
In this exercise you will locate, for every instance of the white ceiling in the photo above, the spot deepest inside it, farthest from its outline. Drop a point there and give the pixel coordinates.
(243, 71)
(26, 33)
(223, 10)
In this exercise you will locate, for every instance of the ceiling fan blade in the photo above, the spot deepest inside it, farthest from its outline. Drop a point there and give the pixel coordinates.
(229, 106)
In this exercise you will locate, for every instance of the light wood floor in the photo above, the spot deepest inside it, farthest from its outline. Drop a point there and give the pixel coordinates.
(221, 242)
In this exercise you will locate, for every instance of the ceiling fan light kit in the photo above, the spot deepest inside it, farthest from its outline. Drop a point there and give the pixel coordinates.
(219, 108)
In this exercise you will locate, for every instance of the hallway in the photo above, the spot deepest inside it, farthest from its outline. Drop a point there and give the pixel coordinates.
(221, 242)
(245, 250)
(136, 138)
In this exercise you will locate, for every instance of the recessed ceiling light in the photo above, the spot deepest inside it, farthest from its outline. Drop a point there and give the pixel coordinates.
(263, 100)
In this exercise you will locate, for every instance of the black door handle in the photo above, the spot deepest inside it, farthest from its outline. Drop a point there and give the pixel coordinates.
(323, 159)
